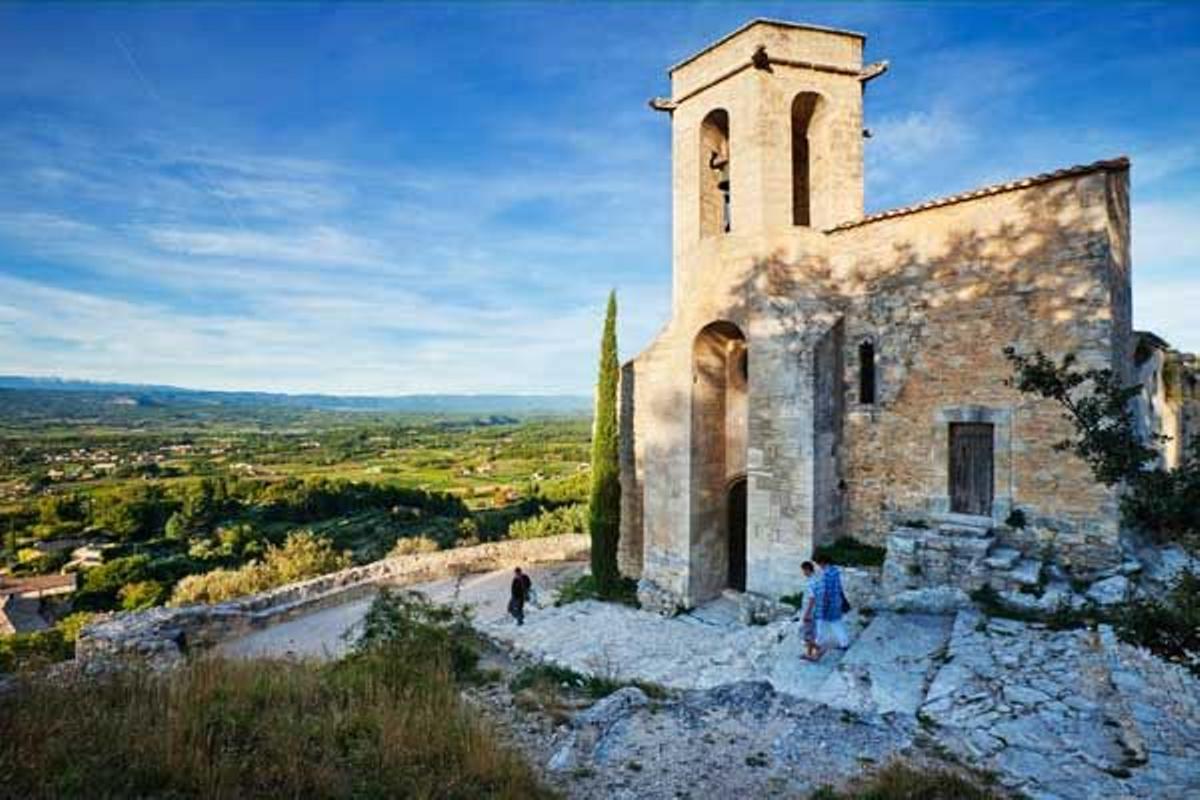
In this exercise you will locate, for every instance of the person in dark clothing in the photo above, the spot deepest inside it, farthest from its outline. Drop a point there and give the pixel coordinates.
(521, 586)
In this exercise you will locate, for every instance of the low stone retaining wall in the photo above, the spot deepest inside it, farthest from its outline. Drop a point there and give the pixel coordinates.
(161, 636)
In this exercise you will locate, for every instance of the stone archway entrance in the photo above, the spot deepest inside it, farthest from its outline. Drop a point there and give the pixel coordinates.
(720, 431)
(736, 528)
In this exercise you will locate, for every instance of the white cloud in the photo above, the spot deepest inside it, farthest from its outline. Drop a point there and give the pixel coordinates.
(1169, 309)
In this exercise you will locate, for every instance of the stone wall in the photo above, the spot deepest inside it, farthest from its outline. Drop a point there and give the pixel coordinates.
(162, 636)
(941, 292)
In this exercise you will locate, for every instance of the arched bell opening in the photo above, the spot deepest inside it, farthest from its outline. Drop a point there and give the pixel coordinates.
(715, 217)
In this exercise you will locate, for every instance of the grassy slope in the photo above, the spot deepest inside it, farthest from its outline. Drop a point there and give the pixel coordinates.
(386, 722)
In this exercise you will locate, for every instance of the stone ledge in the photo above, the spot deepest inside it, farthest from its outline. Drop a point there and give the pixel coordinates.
(162, 636)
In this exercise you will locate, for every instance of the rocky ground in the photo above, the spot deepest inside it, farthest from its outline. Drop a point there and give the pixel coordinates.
(1053, 714)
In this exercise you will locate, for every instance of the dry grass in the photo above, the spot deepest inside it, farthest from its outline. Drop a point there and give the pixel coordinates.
(386, 722)
(899, 780)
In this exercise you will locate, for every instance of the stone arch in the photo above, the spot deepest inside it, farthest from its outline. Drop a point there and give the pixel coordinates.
(805, 109)
(714, 174)
(719, 437)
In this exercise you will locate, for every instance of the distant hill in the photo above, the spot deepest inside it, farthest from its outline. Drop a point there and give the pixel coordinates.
(147, 395)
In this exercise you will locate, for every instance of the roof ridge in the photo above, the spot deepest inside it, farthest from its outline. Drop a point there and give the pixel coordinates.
(1110, 164)
(779, 23)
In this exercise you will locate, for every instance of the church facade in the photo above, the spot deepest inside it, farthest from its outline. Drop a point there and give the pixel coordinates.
(826, 373)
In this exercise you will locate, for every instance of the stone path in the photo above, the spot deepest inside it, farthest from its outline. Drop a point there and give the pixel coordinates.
(329, 632)
(1070, 714)
(886, 668)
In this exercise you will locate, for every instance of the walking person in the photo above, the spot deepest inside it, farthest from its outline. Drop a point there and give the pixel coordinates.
(521, 587)
(832, 606)
(813, 591)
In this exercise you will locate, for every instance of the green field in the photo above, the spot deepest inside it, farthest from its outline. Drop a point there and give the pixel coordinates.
(163, 493)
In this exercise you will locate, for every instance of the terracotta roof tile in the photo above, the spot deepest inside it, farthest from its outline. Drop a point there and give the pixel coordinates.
(1109, 165)
(36, 583)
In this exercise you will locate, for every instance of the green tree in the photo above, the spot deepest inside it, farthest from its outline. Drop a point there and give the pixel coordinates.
(604, 513)
(1165, 503)
(11, 542)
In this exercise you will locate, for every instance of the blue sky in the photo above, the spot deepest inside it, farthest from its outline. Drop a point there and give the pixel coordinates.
(392, 198)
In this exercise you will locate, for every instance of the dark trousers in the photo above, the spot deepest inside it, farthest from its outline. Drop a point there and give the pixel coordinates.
(516, 607)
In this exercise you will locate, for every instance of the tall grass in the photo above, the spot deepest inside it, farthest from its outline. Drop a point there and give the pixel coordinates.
(900, 780)
(387, 721)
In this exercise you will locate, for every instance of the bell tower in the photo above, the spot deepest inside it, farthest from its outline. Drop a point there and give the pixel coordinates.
(767, 134)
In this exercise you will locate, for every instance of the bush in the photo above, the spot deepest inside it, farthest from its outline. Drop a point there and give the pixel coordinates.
(849, 552)
(552, 522)
(141, 595)
(102, 584)
(424, 631)
(303, 555)
(33, 650)
(1170, 627)
(585, 587)
(410, 545)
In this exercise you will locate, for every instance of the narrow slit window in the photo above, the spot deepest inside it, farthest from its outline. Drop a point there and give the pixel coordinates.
(866, 373)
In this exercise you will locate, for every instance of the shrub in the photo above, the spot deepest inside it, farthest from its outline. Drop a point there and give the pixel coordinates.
(303, 555)
(849, 552)
(1169, 627)
(33, 650)
(410, 545)
(72, 624)
(585, 587)
(102, 584)
(551, 522)
(142, 594)
(424, 631)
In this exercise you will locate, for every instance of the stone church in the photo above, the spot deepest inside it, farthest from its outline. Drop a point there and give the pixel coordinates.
(828, 373)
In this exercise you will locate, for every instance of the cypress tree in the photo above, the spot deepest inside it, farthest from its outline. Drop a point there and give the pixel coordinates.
(604, 511)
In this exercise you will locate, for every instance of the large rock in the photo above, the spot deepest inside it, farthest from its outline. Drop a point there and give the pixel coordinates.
(931, 600)
(1110, 591)
(888, 667)
(1065, 714)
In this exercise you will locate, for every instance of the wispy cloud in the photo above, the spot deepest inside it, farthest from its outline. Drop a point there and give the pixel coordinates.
(437, 199)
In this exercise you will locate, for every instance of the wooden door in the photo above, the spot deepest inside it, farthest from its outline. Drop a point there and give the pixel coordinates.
(737, 535)
(971, 478)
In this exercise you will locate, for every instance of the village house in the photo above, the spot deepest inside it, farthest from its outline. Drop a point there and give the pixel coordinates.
(826, 372)
(23, 601)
